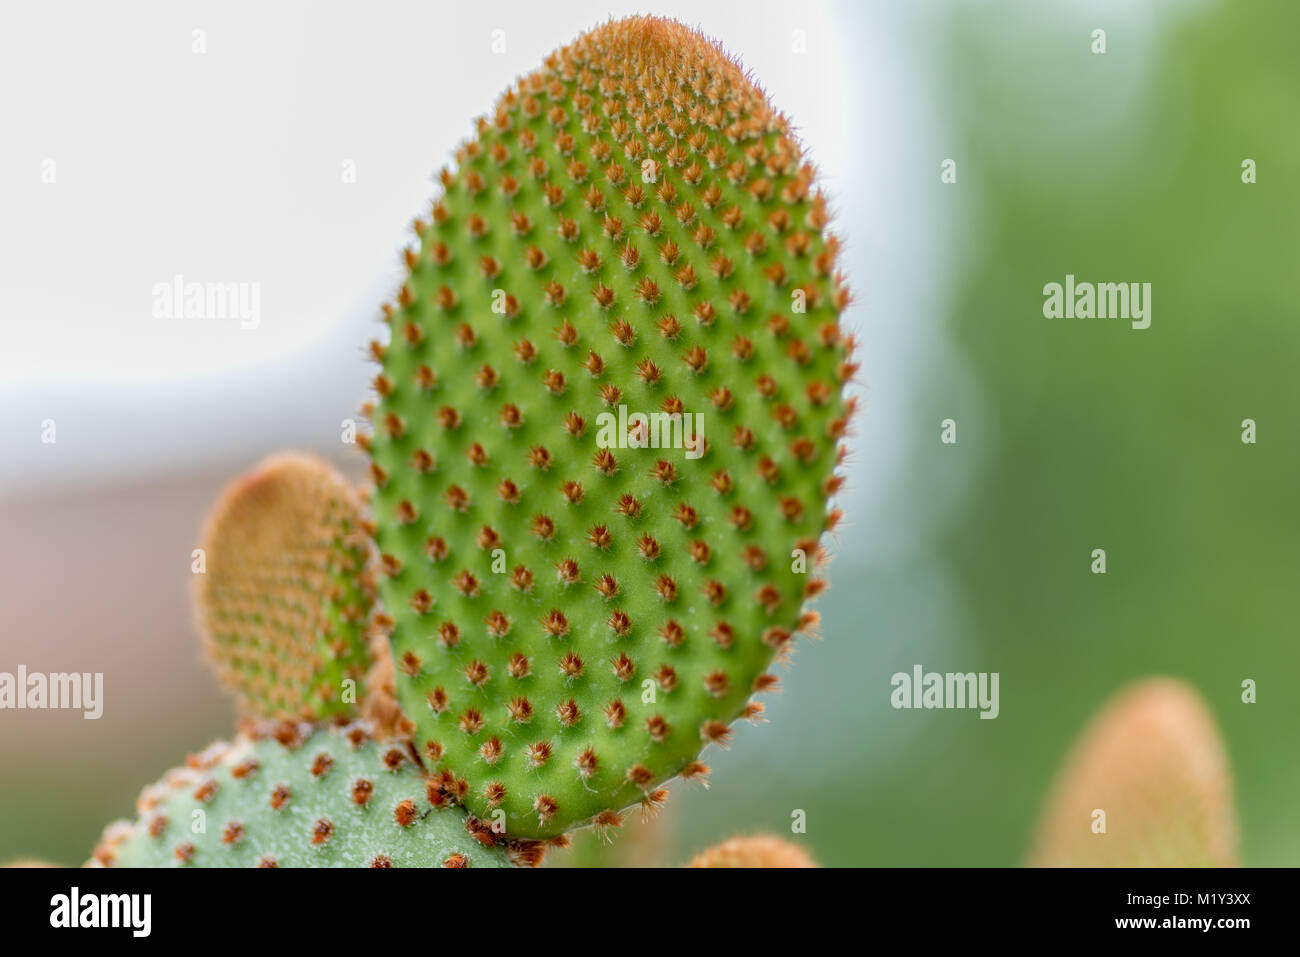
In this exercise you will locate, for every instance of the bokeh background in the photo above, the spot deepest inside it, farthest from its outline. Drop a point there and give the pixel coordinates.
(1072, 434)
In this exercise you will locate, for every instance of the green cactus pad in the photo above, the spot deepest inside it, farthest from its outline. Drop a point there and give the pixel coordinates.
(574, 620)
(302, 797)
(285, 598)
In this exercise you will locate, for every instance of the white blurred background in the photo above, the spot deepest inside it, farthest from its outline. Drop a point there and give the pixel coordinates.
(131, 158)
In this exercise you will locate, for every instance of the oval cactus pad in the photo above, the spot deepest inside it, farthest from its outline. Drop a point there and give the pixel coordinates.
(608, 418)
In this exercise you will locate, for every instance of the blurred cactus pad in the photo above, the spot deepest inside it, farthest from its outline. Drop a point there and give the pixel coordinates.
(761, 850)
(286, 595)
(1147, 785)
(608, 417)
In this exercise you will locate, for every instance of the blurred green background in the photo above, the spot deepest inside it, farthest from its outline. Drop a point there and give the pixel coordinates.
(1072, 435)
(1077, 434)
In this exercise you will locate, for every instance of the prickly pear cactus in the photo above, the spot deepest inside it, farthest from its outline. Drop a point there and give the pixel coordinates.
(606, 425)
(760, 850)
(285, 595)
(300, 797)
(1153, 762)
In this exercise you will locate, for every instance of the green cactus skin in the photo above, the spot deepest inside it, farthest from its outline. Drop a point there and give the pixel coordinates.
(301, 797)
(639, 595)
(286, 596)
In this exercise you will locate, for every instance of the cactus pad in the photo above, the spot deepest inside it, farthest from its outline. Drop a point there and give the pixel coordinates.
(1153, 761)
(302, 797)
(761, 850)
(580, 599)
(285, 598)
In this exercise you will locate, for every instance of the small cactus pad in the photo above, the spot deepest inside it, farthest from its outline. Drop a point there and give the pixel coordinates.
(295, 796)
(582, 599)
(761, 850)
(284, 600)
(1153, 762)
